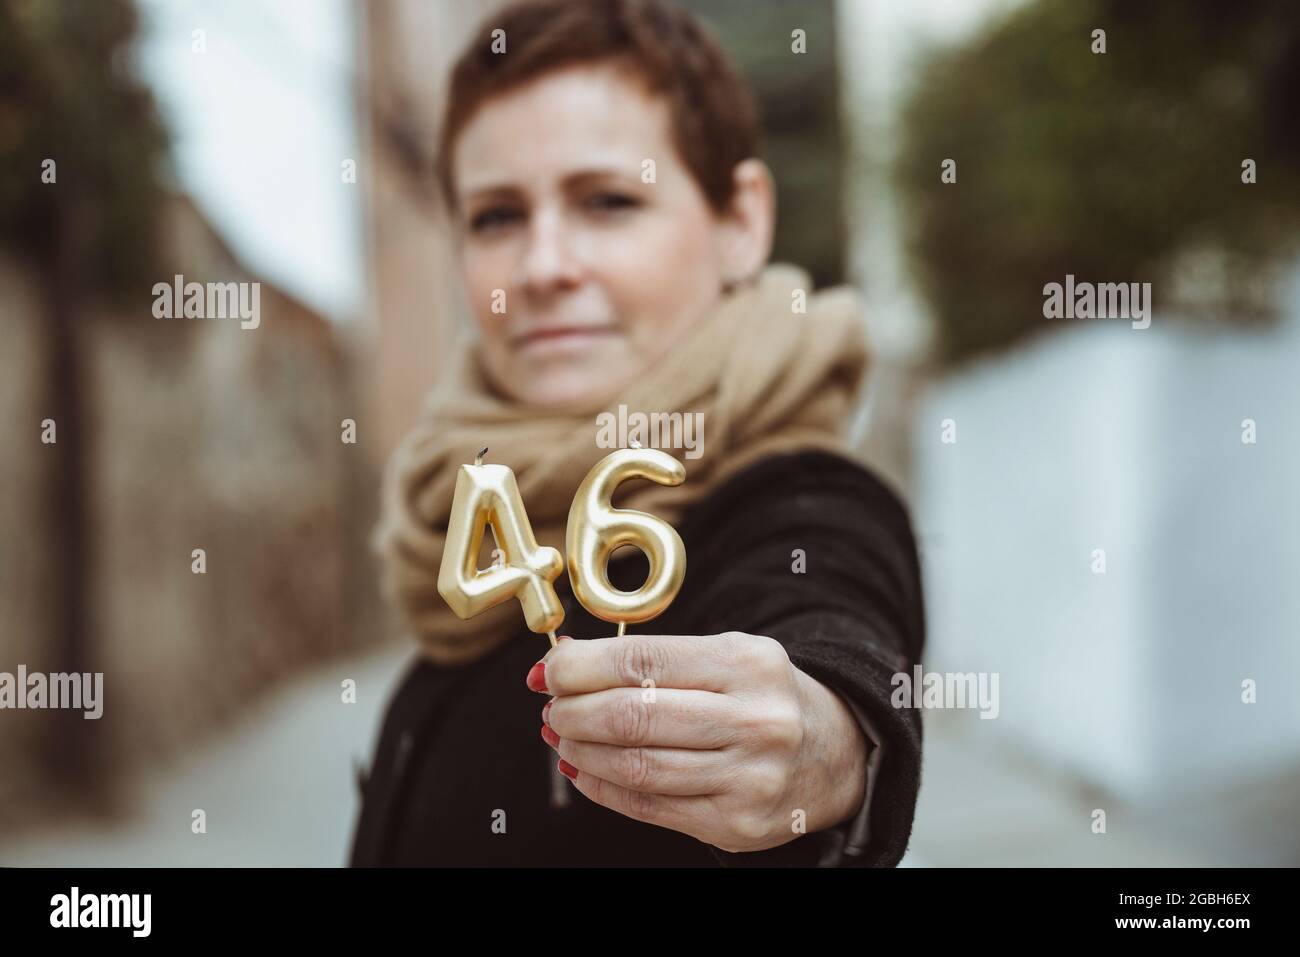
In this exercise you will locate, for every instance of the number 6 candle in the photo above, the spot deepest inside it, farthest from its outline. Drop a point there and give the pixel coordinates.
(488, 495)
(596, 529)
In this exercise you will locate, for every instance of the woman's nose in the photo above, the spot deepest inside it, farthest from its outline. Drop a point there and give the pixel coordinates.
(549, 262)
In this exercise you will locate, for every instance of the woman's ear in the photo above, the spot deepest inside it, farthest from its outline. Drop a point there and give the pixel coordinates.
(749, 223)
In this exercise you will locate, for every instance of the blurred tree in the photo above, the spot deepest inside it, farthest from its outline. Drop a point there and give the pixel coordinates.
(1110, 166)
(68, 94)
(80, 147)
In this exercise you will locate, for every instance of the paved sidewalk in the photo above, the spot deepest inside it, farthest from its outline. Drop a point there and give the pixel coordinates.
(279, 791)
(279, 788)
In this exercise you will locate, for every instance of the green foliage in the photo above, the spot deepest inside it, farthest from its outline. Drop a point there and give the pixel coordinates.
(68, 93)
(1107, 166)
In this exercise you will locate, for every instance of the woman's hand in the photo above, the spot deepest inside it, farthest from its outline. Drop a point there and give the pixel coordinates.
(717, 736)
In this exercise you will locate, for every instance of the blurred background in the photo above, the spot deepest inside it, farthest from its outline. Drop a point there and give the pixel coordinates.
(290, 143)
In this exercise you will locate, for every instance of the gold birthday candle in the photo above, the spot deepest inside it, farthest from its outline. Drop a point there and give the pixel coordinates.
(488, 495)
(596, 529)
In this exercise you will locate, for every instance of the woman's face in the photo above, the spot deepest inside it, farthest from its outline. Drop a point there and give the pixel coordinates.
(579, 274)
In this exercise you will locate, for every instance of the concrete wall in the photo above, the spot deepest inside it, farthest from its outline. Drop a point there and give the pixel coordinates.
(200, 435)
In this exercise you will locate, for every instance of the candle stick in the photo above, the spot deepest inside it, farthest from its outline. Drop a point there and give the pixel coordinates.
(488, 495)
(596, 529)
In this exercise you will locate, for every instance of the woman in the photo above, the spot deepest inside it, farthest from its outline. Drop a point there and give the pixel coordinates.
(613, 226)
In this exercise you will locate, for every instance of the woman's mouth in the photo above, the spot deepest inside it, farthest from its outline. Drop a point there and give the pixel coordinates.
(561, 338)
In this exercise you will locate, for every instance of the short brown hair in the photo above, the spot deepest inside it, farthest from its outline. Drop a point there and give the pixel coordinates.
(714, 119)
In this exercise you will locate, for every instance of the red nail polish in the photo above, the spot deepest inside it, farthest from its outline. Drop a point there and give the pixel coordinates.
(568, 770)
(536, 679)
(546, 711)
(549, 735)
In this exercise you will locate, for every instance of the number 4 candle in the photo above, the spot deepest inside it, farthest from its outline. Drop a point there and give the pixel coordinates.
(488, 495)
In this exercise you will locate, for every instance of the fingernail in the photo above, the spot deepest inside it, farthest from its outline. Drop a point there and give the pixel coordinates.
(546, 711)
(536, 679)
(549, 735)
(564, 638)
(568, 770)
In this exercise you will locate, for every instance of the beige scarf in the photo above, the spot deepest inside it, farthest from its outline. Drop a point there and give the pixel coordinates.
(767, 378)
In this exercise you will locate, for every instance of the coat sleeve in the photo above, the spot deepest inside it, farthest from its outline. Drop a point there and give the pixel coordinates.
(815, 551)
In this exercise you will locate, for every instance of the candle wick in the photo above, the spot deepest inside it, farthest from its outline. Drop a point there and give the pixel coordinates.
(635, 444)
(478, 459)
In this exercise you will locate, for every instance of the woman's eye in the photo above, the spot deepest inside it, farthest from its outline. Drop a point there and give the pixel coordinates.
(603, 202)
(493, 217)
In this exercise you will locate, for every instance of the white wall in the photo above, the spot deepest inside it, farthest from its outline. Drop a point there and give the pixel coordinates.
(1101, 436)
